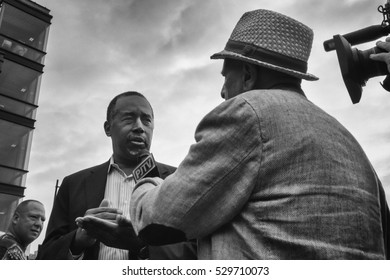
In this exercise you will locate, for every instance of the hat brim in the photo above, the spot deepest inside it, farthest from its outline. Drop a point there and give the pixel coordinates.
(228, 54)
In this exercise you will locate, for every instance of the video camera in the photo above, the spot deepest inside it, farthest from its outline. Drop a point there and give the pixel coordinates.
(356, 66)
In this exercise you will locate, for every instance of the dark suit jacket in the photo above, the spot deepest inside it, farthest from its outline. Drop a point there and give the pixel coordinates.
(84, 190)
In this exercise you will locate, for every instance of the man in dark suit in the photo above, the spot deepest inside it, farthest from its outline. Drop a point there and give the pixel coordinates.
(104, 192)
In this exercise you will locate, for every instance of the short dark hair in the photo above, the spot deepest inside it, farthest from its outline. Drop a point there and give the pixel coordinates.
(23, 205)
(111, 107)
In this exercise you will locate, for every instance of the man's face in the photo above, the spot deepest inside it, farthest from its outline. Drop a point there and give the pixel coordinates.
(131, 128)
(233, 72)
(28, 223)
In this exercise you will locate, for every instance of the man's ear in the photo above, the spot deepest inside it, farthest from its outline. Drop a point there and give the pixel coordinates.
(249, 76)
(15, 218)
(107, 128)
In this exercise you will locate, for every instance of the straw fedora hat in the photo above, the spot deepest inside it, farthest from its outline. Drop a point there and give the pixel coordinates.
(271, 40)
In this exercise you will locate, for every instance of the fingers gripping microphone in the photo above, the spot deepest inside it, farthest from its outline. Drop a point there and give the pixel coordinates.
(147, 168)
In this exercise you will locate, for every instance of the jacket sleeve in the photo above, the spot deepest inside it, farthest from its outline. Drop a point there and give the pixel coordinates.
(60, 230)
(210, 186)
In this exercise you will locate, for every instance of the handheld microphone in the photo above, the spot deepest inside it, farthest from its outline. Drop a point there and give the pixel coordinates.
(147, 168)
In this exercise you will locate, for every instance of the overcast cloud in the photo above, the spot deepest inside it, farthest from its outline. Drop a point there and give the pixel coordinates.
(98, 49)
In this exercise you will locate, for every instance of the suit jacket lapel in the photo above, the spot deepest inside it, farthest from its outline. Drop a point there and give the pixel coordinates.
(95, 185)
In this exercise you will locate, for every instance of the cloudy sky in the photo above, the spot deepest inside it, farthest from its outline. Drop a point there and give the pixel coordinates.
(161, 48)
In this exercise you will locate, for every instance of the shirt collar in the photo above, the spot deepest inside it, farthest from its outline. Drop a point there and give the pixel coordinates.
(112, 165)
(11, 236)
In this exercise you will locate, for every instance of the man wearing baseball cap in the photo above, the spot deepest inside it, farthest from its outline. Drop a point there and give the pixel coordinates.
(271, 175)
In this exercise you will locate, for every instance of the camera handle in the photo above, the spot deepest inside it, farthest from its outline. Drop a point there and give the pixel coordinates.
(385, 11)
(366, 34)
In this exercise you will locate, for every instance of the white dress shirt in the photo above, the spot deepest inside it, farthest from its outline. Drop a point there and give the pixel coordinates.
(118, 191)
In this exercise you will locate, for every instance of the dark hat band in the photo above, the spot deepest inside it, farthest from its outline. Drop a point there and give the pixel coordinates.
(264, 55)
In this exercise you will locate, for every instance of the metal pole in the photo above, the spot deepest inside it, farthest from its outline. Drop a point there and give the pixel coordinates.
(56, 189)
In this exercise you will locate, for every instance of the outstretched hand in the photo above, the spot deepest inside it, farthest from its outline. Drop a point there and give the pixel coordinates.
(84, 239)
(119, 233)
